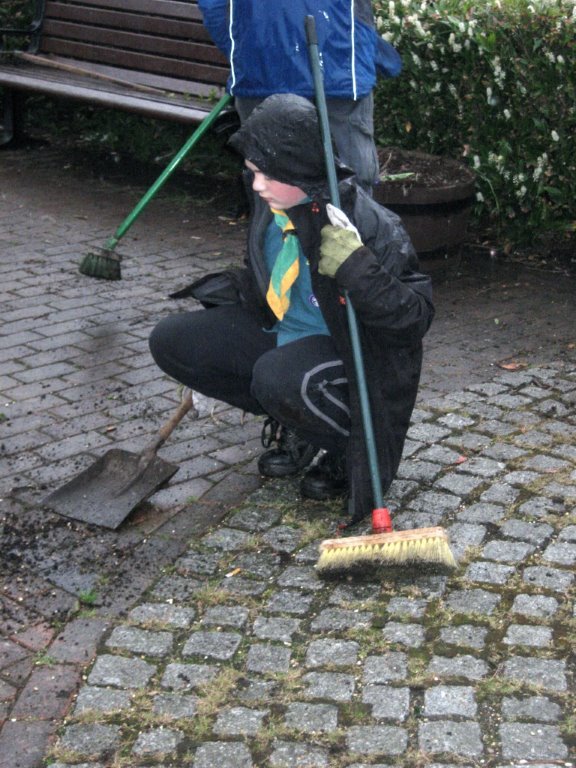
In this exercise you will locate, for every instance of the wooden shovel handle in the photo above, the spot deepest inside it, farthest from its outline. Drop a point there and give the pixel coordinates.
(168, 427)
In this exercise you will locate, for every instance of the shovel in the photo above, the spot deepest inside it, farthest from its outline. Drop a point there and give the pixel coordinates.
(106, 492)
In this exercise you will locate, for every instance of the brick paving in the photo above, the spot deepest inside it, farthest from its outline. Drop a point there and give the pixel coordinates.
(199, 634)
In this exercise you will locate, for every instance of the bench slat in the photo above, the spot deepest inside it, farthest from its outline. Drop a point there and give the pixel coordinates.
(187, 29)
(127, 60)
(167, 8)
(77, 34)
(180, 110)
(174, 89)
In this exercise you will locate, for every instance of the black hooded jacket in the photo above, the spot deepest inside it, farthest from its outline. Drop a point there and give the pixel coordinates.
(392, 300)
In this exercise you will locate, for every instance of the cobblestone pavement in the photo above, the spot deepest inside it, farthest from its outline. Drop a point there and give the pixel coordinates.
(199, 634)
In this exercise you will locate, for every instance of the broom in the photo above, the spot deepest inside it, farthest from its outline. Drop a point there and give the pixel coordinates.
(383, 547)
(105, 263)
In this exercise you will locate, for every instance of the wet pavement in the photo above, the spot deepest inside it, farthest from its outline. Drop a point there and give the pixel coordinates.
(198, 633)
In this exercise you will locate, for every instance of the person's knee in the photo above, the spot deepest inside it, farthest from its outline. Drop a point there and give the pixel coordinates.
(156, 341)
(161, 339)
(272, 385)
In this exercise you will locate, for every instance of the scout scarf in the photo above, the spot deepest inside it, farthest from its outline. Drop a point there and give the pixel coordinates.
(285, 270)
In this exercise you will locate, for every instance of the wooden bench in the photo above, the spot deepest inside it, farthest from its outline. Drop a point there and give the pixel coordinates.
(152, 57)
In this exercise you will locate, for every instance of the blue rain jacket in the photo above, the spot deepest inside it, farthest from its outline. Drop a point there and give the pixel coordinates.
(265, 43)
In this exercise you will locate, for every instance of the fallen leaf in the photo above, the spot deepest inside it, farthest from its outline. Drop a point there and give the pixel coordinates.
(511, 366)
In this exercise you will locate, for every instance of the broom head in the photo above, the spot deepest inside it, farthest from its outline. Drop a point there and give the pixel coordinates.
(419, 547)
(103, 264)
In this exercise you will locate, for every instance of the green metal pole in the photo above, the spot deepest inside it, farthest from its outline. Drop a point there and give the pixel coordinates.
(204, 126)
(351, 314)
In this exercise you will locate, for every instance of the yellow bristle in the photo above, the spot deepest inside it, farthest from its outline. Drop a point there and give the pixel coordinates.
(395, 549)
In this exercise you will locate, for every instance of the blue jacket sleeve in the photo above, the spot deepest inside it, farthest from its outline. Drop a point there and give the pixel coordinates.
(388, 61)
(216, 16)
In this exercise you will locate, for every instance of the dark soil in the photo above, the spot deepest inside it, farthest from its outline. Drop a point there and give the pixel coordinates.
(429, 171)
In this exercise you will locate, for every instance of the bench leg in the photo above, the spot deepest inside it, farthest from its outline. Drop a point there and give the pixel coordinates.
(12, 130)
(7, 117)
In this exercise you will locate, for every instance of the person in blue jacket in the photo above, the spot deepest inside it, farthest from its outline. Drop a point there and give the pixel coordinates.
(265, 43)
(273, 338)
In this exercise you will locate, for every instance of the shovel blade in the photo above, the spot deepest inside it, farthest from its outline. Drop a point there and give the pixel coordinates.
(107, 491)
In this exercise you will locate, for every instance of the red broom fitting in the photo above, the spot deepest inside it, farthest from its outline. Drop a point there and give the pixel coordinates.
(381, 521)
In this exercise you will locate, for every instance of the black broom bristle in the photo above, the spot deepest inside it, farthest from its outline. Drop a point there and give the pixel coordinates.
(104, 265)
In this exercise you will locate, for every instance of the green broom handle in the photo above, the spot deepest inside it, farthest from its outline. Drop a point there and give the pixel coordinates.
(204, 126)
(312, 40)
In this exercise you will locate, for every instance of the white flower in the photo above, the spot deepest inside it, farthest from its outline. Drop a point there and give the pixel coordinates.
(507, 114)
(560, 58)
(555, 136)
(476, 161)
(479, 197)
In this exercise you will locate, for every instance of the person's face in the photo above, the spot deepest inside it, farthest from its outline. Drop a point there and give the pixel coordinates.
(275, 193)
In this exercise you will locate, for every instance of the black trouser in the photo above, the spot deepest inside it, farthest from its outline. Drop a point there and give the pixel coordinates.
(223, 353)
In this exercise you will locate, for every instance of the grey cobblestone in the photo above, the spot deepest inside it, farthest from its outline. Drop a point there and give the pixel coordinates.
(294, 755)
(522, 634)
(121, 672)
(387, 703)
(214, 645)
(312, 718)
(140, 641)
(507, 552)
(335, 686)
(101, 700)
(268, 658)
(548, 578)
(450, 700)
(463, 739)
(489, 573)
(464, 666)
(376, 740)
(239, 721)
(478, 601)
(159, 742)
(535, 742)
(342, 653)
(548, 673)
(536, 708)
(465, 635)
(538, 606)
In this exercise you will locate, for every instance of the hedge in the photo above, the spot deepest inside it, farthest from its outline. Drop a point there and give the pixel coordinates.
(492, 83)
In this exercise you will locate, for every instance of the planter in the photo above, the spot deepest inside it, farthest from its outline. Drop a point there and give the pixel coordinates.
(433, 196)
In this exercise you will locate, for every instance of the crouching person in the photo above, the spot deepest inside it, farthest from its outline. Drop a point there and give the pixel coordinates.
(273, 338)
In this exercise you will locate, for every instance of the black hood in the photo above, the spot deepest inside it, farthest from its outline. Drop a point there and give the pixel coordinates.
(282, 138)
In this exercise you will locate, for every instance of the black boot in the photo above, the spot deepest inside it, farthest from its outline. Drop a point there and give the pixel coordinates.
(328, 479)
(290, 456)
